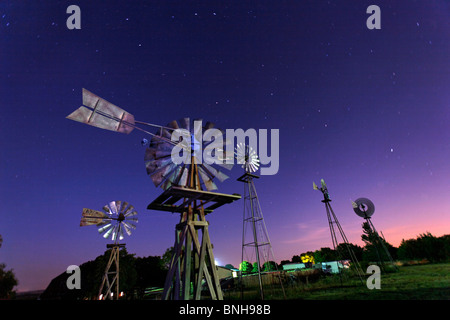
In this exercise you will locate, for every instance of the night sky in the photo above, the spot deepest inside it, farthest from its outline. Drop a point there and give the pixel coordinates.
(367, 110)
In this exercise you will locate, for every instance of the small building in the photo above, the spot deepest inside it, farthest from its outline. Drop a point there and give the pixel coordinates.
(293, 266)
(334, 266)
(227, 273)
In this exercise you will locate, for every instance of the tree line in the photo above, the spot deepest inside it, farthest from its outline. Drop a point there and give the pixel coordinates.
(135, 274)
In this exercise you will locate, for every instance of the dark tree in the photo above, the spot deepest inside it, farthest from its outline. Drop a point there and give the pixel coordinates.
(325, 254)
(245, 267)
(7, 282)
(426, 246)
(374, 249)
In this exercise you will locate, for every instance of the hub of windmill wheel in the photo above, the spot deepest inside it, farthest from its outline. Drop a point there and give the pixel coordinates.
(121, 217)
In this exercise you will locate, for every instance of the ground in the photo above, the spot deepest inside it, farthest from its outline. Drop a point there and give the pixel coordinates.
(418, 282)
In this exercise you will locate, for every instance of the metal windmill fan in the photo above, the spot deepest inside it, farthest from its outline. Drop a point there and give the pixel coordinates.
(363, 207)
(118, 216)
(248, 157)
(164, 172)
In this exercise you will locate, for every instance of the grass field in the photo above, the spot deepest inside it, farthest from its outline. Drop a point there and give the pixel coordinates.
(417, 282)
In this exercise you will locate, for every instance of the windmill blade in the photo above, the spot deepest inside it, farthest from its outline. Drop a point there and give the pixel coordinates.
(185, 124)
(175, 176)
(130, 211)
(253, 161)
(215, 173)
(155, 165)
(118, 206)
(105, 228)
(132, 219)
(160, 143)
(322, 182)
(160, 175)
(209, 184)
(227, 166)
(315, 186)
(209, 125)
(124, 207)
(113, 208)
(120, 232)
(121, 206)
(252, 167)
(107, 210)
(127, 228)
(166, 184)
(100, 113)
(130, 225)
(184, 177)
(110, 231)
(130, 216)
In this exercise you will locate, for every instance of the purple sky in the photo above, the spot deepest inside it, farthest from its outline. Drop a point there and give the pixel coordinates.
(367, 110)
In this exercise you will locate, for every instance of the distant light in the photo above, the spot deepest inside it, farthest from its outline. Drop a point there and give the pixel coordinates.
(392, 150)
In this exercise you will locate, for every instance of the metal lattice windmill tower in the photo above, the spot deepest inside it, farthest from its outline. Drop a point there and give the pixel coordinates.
(334, 222)
(183, 183)
(365, 208)
(118, 216)
(255, 238)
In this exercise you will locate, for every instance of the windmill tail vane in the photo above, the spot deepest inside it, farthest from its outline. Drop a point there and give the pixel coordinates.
(98, 112)
(92, 217)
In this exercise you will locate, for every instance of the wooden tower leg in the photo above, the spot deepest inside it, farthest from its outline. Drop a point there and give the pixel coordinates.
(192, 261)
(106, 283)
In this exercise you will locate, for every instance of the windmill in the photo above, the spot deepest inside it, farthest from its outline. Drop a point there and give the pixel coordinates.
(333, 221)
(365, 208)
(183, 184)
(118, 216)
(255, 238)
